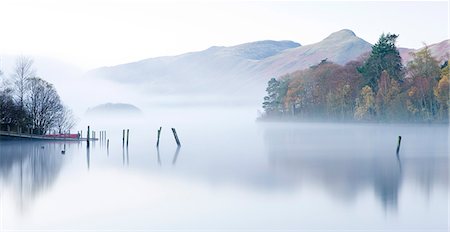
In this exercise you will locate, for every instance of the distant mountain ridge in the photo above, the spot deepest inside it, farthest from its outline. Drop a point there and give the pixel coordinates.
(241, 69)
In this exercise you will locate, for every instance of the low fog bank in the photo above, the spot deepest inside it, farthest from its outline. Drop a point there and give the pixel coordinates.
(80, 92)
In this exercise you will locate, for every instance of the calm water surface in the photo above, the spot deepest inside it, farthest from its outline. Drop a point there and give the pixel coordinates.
(231, 173)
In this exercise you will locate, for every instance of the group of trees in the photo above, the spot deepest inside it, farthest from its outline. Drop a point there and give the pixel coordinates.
(377, 87)
(29, 104)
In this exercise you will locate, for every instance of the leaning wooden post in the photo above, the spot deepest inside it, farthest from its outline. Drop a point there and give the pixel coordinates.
(399, 142)
(176, 137)
(128, 135)
(87, 136)
(159, 134)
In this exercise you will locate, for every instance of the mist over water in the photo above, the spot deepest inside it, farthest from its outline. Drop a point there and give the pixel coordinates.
(231, 173)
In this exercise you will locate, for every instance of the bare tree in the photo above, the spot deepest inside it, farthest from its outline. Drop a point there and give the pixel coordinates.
(44, 106)
(65, 120)
(23, 71)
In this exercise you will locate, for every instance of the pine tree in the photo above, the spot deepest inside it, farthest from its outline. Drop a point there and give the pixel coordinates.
(384, 57)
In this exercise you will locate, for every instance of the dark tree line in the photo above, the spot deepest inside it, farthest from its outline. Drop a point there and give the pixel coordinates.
(29, 104)
(376, 88)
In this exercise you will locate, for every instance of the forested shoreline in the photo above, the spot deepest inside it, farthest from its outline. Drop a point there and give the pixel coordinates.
(374, 88)
(29, 104)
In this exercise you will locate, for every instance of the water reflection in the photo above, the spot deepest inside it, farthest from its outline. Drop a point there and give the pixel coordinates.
(175, 156)
(346, 165)
(88, 157)
(174, 159)
(158, 155)
(29, 168)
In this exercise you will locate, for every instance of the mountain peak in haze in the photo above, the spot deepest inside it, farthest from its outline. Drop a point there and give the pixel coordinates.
(257, 50)
(341, 35)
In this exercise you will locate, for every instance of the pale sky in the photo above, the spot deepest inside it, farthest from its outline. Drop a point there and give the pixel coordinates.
(101, 33)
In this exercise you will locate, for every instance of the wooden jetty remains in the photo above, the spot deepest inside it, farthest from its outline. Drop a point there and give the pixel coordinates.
(52, 137)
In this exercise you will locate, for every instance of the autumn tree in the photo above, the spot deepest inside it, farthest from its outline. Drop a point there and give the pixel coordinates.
(365, 104)
(388, 91)
(441, 92)
(423, 74)
(294, 100)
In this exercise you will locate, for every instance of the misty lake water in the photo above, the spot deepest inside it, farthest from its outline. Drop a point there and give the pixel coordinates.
(231, 173)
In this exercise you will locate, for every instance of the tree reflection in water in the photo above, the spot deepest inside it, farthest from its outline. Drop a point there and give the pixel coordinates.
(29, 168)
(345, 164)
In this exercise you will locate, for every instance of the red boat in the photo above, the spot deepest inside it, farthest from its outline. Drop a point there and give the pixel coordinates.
(69, 136)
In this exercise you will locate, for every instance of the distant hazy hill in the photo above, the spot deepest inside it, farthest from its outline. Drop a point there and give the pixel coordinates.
(211, 70)
(243, 69)
(440, 51)
(340, 47)
(114, 108)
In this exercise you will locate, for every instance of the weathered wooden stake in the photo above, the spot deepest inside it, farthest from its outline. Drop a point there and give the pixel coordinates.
(128, 135)
(123, 137)
(159, 134)
(399, 142)
(176, 137)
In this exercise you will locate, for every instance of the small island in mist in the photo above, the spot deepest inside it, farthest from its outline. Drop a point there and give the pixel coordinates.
(119, 109)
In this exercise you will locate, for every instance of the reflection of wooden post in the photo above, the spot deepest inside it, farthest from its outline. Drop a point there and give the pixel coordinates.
(87, 136)
(399, 142)
(159, 133)
(128, 135)
(176, 137)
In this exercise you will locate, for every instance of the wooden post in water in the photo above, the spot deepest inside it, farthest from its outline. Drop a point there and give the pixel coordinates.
(87, 136)
(123, 137)
(128, 135)
(176, 137)
(399, 142)
(159, 134)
